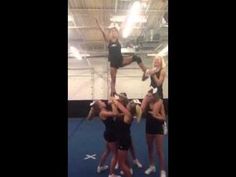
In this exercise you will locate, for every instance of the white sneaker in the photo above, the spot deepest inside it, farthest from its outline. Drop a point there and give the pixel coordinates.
(163, 173)
(145, 75)
(117, 166)
(165, 128)
(131, 171)
(151, 169)
(113, 175)
(149, 72)
(136, 162)
(102, 168)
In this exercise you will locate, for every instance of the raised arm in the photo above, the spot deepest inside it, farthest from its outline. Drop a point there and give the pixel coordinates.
(106, 114)
(121, 107)
(102, 31)
(161, 78)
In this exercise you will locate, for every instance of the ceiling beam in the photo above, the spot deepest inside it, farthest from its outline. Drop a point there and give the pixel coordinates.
(87, 41)
(87, 11)
(93, 27)
(116, 4)
(80, 41)
(105, 52)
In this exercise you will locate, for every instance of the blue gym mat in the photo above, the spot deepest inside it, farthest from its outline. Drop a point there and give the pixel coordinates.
(85, 140)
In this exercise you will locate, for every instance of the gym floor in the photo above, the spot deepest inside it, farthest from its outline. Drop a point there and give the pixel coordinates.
(86, 143)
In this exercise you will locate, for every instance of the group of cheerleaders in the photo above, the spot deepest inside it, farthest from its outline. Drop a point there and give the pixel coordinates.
(119, 112)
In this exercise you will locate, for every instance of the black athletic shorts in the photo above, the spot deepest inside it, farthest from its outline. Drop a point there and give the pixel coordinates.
(116, 62)
(109, 136)
(154, 126)
(124, 142)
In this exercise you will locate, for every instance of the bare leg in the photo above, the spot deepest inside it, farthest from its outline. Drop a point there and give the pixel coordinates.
(127, 161)
(160, 151)
(113, 72)
(133, 155)
(132, 151)
(129, 59)
(114, 159)
(144, 104)
(127, 164)
(150, 141)
(104, 155)
(122, 156)
(141, 65)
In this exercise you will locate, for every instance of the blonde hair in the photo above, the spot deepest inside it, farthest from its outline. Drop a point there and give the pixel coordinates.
(94, 110)
(135, 109)
(157, 57)
(91, 114)
(138, 113)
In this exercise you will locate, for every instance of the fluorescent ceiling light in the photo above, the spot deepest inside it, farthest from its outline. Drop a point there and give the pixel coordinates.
(151, 54)
(135, 9)
(144, 4)
(164, 52)
(127, 50)
(85, 55)
(164, 23)
(70, 18)
(132, 18)
(137, 19)
(73, 52)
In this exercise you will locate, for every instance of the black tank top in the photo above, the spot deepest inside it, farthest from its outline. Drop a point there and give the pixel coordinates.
(153, 84)
(109, 124)
(122, 128)
(114, 49)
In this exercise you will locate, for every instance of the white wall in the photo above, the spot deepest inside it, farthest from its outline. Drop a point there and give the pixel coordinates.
(93, 81)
